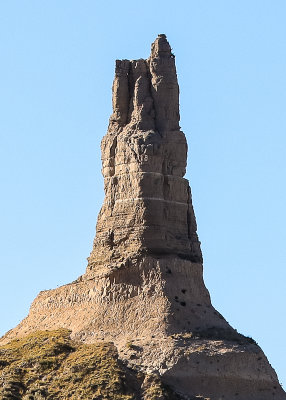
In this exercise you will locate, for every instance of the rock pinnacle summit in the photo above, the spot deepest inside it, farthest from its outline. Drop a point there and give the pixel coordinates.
(144, 279)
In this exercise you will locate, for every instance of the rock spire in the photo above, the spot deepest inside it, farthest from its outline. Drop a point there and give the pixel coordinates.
(144, 280)
(148, 206)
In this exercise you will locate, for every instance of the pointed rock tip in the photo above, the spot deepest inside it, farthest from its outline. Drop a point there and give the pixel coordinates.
(161, 47)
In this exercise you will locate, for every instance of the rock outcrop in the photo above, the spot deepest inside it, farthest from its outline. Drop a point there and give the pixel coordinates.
(143, 288)
(147, 207)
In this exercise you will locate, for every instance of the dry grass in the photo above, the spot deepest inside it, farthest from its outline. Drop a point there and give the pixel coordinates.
(49, 365)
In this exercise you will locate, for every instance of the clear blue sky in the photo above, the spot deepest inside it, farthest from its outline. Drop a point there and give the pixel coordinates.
(56, 72)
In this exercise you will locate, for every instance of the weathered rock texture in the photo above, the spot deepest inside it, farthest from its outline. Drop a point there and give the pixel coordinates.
(143, 288)
(147, 207)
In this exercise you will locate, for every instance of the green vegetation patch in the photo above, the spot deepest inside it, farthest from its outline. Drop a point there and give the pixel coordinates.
(49, 365)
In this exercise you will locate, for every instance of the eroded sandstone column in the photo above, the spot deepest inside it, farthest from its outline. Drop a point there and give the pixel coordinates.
(148, 206)
(144, 281)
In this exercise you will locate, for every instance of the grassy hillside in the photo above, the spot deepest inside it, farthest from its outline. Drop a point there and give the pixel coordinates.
(49, 365)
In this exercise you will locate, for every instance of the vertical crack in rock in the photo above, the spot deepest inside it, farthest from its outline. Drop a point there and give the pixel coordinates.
(147, 206)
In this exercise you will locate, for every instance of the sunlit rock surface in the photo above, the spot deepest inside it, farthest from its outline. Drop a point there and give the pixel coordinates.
(144, 281)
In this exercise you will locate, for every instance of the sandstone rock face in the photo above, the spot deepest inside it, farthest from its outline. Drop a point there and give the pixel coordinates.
(147, 207)
(143, 288)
